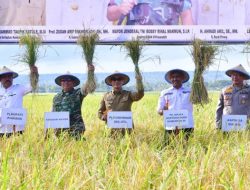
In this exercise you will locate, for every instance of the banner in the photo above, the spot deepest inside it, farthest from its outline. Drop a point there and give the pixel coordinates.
(13, 116)
(116, 21)
(56, 120)
(175, 118)
(234, 122)
(120, 119)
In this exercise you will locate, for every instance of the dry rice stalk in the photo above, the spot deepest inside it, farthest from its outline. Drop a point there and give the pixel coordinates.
(134, 51)
(203, 55)
(31, 44)
(88, 43)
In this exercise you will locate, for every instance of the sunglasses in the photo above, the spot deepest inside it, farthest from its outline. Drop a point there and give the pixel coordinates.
(116, 79)
(66, 80)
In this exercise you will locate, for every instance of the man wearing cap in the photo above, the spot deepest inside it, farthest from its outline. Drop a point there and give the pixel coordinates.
(234, 99)
(11, 96)
(70, 100)
(177, 98)
(119, 99)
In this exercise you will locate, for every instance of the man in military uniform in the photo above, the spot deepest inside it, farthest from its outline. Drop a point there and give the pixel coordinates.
(22, 12)
(148, 12)
(119, 99)
(70, 100)
(11, 96)
(234, 99)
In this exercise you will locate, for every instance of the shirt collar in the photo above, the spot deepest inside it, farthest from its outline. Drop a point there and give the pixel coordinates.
(116, 93)
(69, 92)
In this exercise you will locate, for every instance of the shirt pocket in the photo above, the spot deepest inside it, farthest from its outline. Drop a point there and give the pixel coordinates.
(243, 99)
(228, 99)
(4, 8)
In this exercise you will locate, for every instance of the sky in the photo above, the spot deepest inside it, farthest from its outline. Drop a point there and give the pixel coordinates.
(68, 58)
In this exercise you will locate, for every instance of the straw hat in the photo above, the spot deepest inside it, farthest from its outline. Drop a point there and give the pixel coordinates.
(116, 74)
(5, 70)
(239, 69)
(72, 77)
(184, 73)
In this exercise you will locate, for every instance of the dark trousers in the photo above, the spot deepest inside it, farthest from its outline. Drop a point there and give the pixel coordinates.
(7, 135)
(171, 133)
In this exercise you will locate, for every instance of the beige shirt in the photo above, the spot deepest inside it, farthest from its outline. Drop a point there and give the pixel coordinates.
(221, 12)
(22, 12)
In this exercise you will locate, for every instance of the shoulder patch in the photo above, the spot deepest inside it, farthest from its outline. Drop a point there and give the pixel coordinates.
(228, 89)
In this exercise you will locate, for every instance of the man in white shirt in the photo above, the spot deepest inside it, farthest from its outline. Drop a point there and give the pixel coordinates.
(177, 98)
(22, 12)
(11, 96)
(87, 13)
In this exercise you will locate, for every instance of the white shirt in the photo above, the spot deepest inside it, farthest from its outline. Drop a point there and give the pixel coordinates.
(178, 99)
(22, 12)
(84, 13)
(12, 98)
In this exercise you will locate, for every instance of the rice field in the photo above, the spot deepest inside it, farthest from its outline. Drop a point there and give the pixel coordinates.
(209, 160)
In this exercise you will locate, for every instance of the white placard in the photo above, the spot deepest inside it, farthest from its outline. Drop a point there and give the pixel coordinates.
(56, 120)
(14, 116)
(234, 122)
(174, 118)
(119, 119)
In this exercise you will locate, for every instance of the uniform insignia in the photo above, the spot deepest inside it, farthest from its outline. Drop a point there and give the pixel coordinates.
(228, 90)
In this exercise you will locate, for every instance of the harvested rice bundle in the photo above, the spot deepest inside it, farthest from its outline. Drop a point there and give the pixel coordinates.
(203, 55)
(134, 51)
(31, 43)
(88, 43)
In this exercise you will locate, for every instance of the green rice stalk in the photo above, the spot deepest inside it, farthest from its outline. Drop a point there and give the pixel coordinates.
(134, 51)
(88, 43)
(31, 44)
(203, 55)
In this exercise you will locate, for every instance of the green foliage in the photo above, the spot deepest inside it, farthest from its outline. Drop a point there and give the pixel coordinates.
(209, 160)
(88, 43)
(203, 55)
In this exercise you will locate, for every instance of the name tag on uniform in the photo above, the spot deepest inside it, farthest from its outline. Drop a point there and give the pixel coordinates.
(234, 122)
(119, 119)
(13, 116)
(175, 118)
(56, 120)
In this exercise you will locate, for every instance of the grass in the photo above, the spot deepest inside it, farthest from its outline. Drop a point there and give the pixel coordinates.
(210, 160)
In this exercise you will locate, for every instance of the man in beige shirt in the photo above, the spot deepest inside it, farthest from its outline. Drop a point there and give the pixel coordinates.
(22, 12)
(119, 99)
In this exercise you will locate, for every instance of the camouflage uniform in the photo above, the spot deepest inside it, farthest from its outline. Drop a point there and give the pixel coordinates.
(72, 102)
(157, 12)
(120, 101)
(233, 101)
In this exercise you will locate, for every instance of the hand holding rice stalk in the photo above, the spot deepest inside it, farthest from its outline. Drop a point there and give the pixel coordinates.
(30, 56)
(88, 44)
(203, 55)
(134, 51)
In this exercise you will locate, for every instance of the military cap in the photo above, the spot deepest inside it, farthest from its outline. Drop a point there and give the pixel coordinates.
(239, 69)
(5, 70)
(184, 73)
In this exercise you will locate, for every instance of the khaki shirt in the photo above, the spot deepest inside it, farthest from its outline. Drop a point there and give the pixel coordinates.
(22, 12)
(233, 101)
(118, 101)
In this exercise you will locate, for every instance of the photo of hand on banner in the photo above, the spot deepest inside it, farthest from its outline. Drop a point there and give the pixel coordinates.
(148, 12)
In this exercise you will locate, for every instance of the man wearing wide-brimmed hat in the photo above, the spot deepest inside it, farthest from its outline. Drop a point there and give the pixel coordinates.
(70, 100)
(11, 96)
(119, 99)
(234, 99)
(177, 98)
